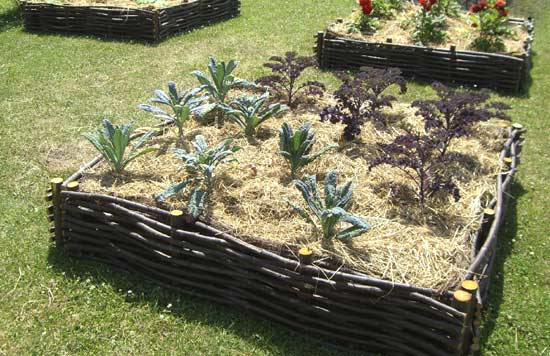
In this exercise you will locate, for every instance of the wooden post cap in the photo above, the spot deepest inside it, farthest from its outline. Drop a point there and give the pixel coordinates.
(462, 296)
(507, 160)
(469, 286)
(176, 213)
(72, 186)
(56, 180)
(305, 255)
(489, 211)
(176, 219)
(517, 126)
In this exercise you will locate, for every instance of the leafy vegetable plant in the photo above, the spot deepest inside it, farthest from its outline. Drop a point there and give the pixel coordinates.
(332, 210)
(360, 98)
(418, 156)
(221, 79)
(182, 105)
(200, 167)
(284, 80)
(455, 111)
(491, 20)
(296, 146)
(113, 140)
(429, 25)
(248, 111)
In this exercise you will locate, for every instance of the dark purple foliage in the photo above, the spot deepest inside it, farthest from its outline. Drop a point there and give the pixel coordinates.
(360, 98)
(455, 112)
(419, 157)
(284, 81)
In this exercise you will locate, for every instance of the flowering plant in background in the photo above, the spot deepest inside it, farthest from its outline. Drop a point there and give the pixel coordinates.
(366, 6)
(491, 20)
(372, 11)
(428, 23)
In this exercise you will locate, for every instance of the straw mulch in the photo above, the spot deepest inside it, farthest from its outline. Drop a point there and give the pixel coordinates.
(426, 247)
(459, 31)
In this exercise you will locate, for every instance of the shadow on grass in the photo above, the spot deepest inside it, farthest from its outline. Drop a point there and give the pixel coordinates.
(10, 18)
(504, 249)
(246, 326)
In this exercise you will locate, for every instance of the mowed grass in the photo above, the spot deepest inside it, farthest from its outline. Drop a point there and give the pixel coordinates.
(53, 88)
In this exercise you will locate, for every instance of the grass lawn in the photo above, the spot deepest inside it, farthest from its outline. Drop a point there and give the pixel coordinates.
(53, 88)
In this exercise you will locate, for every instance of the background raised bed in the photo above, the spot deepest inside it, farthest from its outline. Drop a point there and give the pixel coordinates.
(126, 23)
(427, 64)
(340, 307)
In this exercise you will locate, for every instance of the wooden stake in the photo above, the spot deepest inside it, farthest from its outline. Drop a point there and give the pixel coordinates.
(469, 286)
(517, 126)
(176, 220)
(489, 211)
(73, 186)
(462, 301)
(305, 255)
(56, 201)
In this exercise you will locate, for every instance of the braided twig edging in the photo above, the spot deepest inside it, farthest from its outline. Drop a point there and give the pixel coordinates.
(348, 309)
(126, 23)
(479, 69)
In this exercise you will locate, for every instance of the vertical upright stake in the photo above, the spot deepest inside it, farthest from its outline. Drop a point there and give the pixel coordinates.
(320, 44)
(176, 221)
(472, 287)
(56, 201)
(463, 302)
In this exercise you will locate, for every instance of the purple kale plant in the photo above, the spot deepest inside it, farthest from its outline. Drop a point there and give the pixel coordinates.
(454, 113)
(360, 98)
(418, 156)
(284, 81)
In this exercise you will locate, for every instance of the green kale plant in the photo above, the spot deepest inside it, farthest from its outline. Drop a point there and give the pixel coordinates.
(331, 210)
(249, 112)
(113, 140)
(182, 105)
(296, 147)
(200, 167)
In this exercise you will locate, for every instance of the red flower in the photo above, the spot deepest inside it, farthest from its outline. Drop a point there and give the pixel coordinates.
(480, 6)
(427, 4)
(500, 6)
(366, 6)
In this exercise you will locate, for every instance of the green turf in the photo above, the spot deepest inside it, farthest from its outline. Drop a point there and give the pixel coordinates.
(52, 88)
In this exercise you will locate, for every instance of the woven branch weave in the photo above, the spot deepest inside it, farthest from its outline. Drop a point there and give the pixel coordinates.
(126, 23)
(338, 307)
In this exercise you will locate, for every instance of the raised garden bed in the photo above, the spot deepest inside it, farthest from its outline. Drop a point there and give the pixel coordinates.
(506, 72)
(336, 305)
(150, 25)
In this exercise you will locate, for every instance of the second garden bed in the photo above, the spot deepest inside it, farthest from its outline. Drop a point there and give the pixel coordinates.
(454, 65)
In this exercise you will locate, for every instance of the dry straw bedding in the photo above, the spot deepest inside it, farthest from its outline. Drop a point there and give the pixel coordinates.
(429, 249)
(459, 31)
